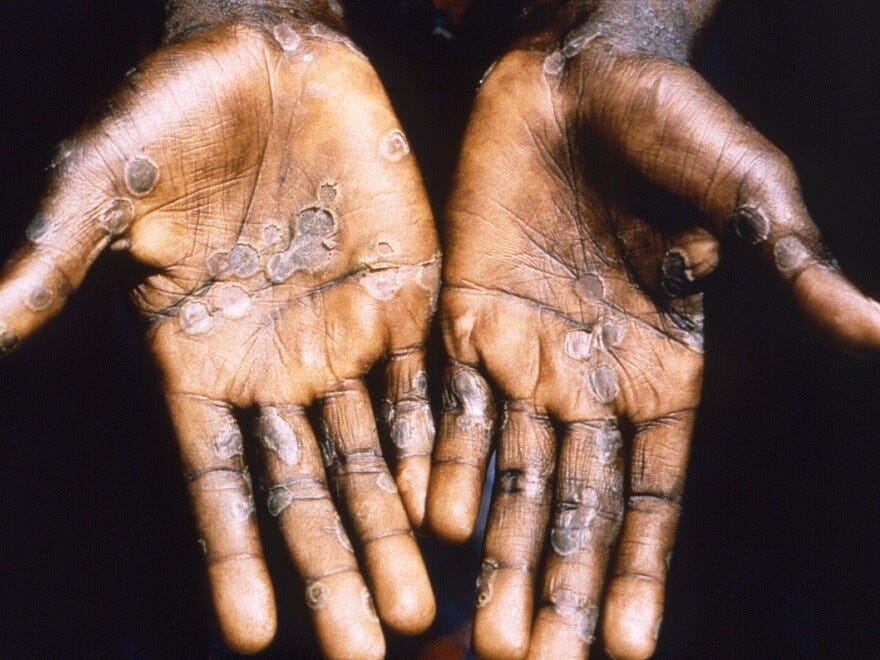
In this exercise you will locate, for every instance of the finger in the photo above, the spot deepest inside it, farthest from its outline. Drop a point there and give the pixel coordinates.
(587, 516)
(342, 612)
(411, 427)
(827, 299)
(80, 216)
(514, 533)
(220, 488)
(392, 560)
(634, 600)
(462, 453)
(676, 130)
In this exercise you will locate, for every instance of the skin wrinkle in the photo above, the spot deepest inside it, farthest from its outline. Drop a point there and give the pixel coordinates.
(315, 355)
(475, 289)
(197, 136)
(314, 292)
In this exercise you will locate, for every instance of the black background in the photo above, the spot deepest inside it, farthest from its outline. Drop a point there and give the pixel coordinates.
(779, 549)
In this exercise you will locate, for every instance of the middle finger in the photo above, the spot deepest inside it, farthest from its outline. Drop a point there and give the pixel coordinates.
(392, 560)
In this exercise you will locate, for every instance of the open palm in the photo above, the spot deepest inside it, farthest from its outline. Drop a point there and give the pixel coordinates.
(571, 290)
(262, 181)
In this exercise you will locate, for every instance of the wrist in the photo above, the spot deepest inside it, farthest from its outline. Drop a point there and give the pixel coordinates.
(668, 28)
(187, 16)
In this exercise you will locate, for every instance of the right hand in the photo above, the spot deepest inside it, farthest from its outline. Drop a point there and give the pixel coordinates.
(260, 177)
(571, 291)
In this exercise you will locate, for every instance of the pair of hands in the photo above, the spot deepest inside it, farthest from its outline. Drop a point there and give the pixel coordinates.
(262, 178)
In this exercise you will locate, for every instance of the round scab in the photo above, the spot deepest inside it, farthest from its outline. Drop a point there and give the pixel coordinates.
(241, 507)
(141, 175)
(394, 146)
(574, 516)
(229, 443)
(419, 385)
(608, 442)
(279, 499)
(678, 276)
(575, 608)
(566, 542)
(604, 384)
(278, 436)
(579, 344)
(288, 38)
(386, 483)
(271, 234)
(232, 301)
(611, 334)
(401, 434)
(8, 340)
(554, 63)
(590, 287)
(195, 318)
(790, 253)
(327, 193)
(468, 394)
(39, 298)
(486, 581)
(242, 261)
(118, 216)
(37, 227)
(316, 595)
(750, 225)
(465, 384)
(381, 284)
(314, 221)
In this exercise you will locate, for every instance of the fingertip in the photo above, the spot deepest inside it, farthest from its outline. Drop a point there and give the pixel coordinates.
(632, 616)
(344, 617)
(453, 502)
(404, 599)
(503, 619)
(555, 639)
(412, 475)
(839, 311)
(245, 604)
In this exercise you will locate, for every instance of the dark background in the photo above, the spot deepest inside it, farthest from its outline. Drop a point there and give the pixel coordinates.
(779, 550)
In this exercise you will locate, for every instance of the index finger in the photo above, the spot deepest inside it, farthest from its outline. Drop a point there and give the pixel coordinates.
(669, 123)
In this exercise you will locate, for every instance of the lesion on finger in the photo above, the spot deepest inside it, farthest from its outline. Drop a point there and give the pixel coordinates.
(406, 411)
(574, 610)
(467, 412)
(361, 478)
(226, 507)
(792, 249)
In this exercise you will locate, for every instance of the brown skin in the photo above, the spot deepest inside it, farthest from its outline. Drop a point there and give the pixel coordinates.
(570, 291)
(256, 172)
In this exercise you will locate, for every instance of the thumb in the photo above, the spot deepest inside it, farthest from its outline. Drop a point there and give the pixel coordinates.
(82, 213)
(168, 127)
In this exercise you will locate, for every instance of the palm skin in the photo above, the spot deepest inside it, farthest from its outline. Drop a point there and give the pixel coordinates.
(262, 180)
(569, 290)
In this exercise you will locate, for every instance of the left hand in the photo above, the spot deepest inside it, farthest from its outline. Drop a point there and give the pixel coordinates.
(571, 289)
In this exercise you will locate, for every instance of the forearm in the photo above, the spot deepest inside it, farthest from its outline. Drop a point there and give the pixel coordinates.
(186, 16)
(667, 27)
